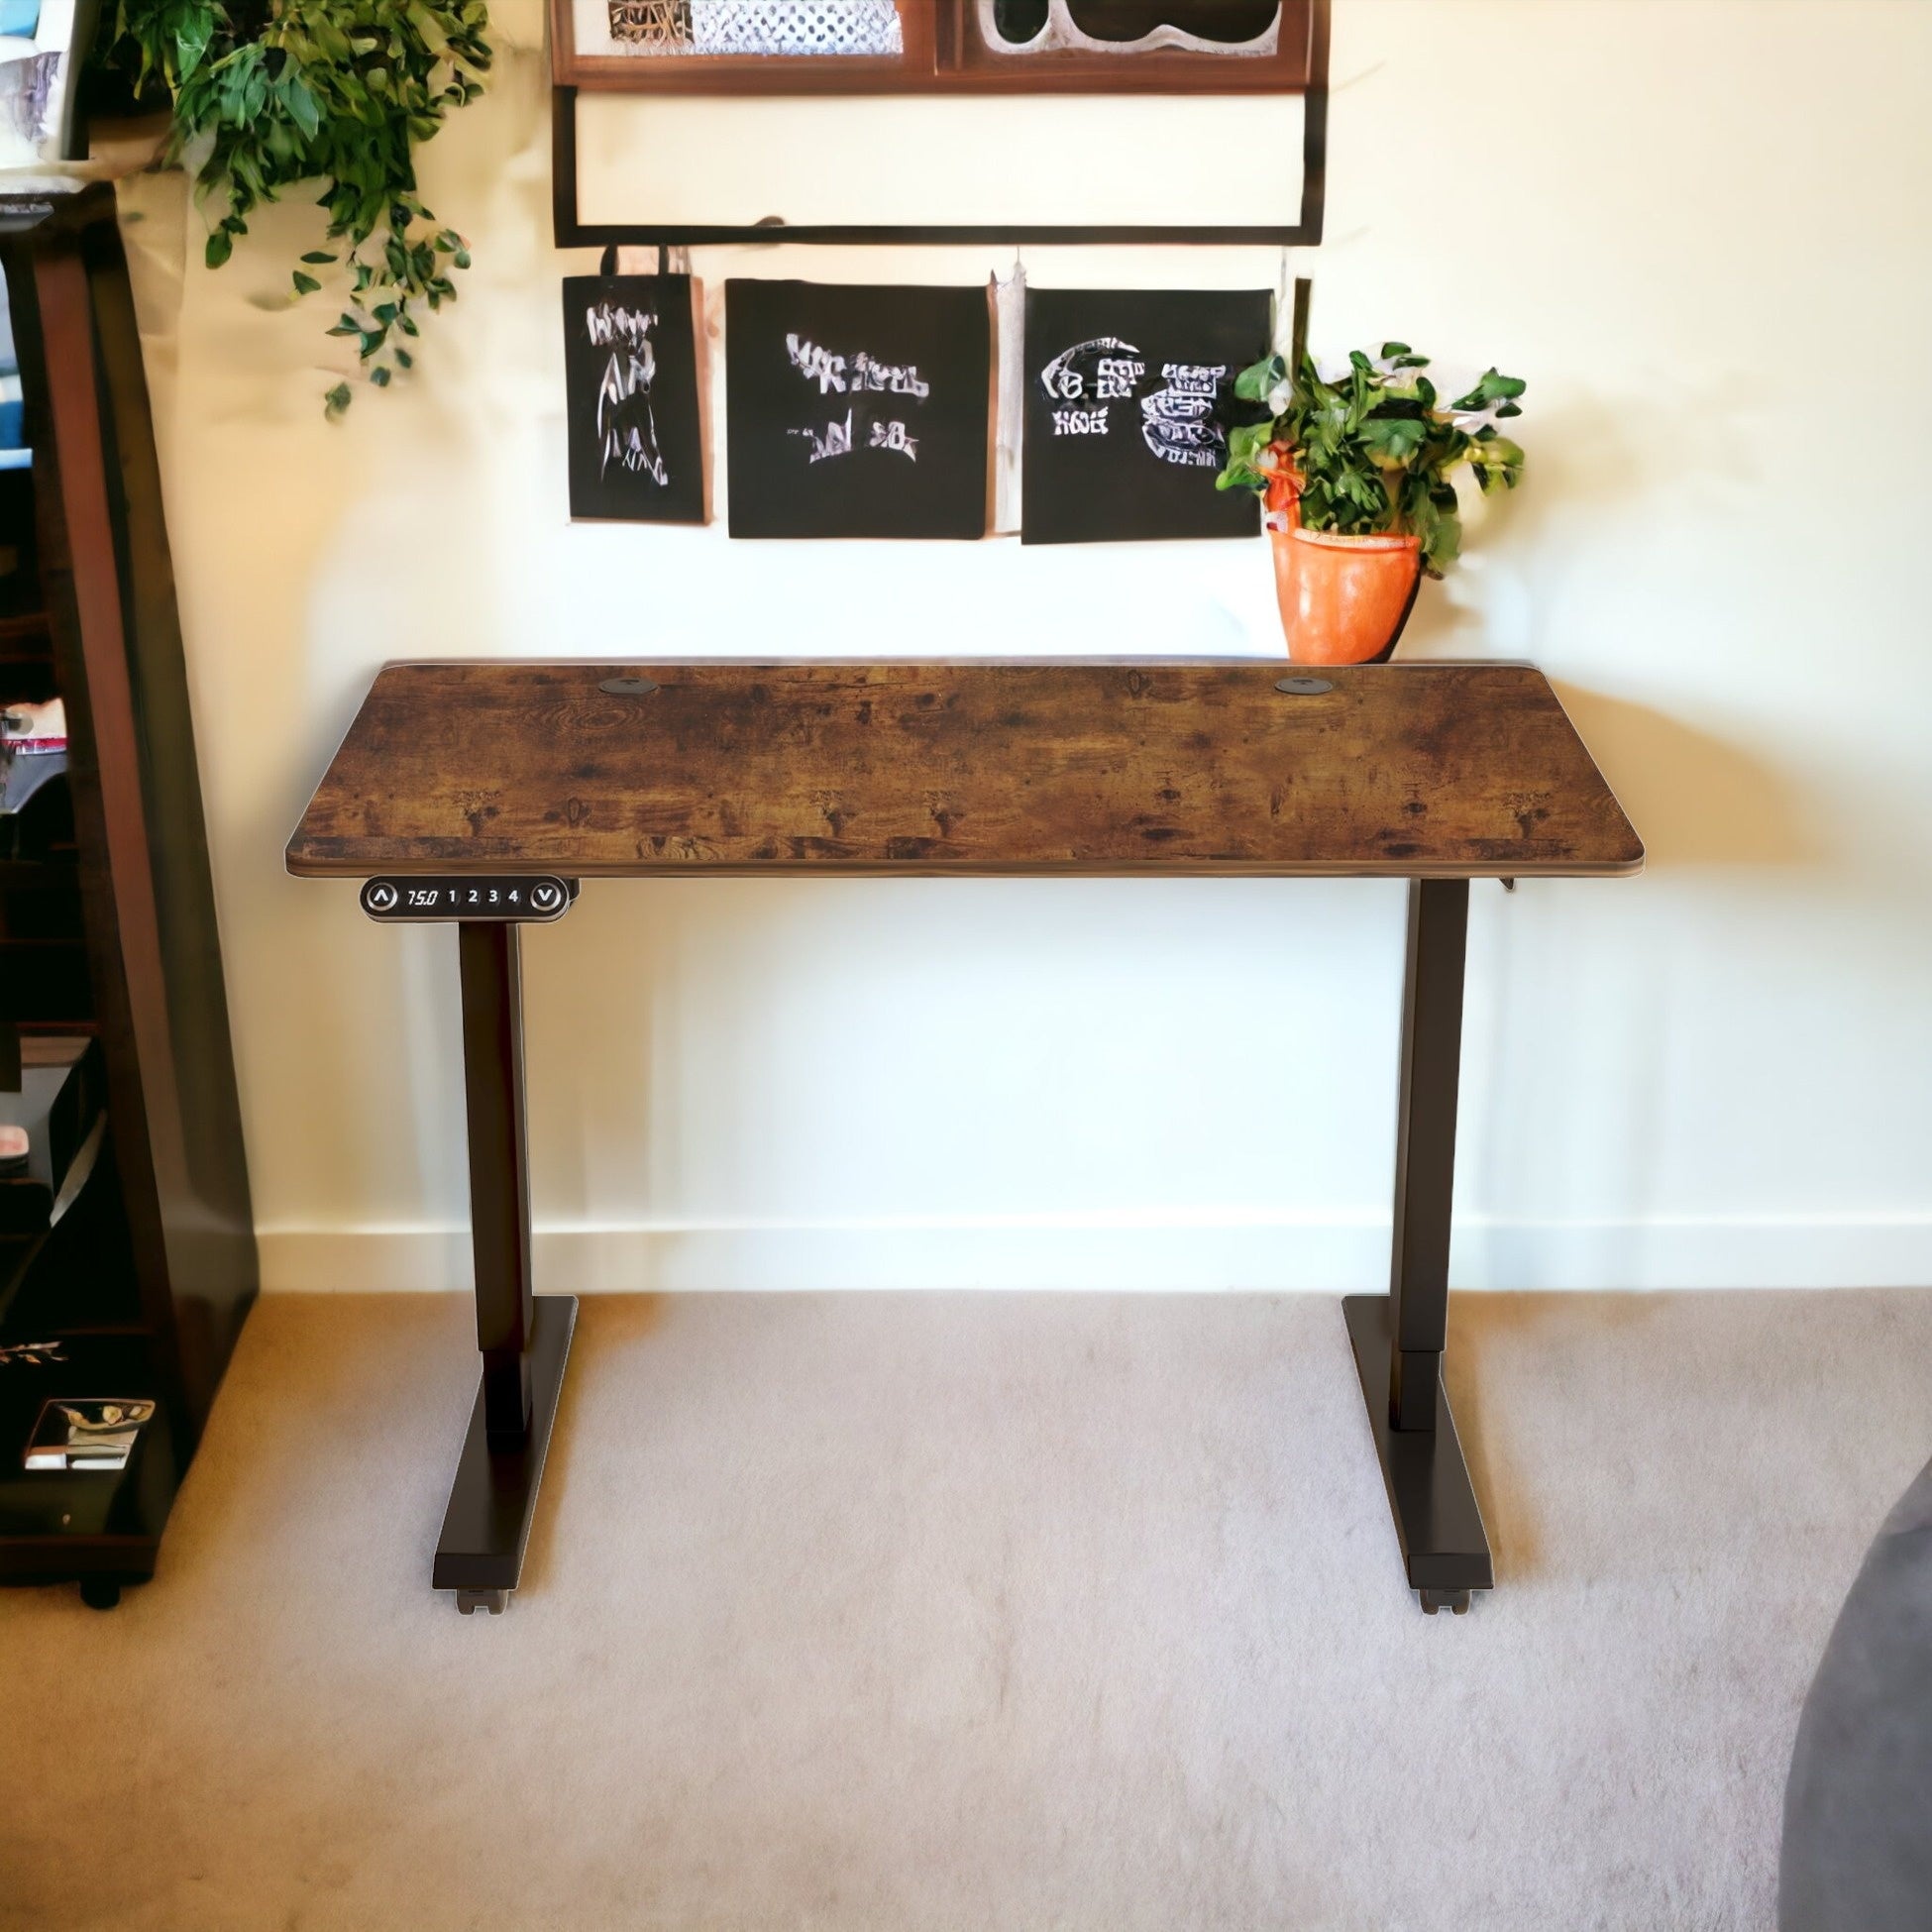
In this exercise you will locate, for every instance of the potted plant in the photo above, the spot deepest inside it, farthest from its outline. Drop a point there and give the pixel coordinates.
(1356, 476)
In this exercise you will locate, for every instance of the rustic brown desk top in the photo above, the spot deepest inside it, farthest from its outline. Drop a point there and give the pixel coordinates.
(1082, 767)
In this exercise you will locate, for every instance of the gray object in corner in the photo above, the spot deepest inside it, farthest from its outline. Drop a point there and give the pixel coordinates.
(1858, 1809)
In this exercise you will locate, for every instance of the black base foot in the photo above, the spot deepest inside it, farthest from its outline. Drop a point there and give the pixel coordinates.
(100, 1592)
(1445, 1548)
(494, 1601)
(493, 1499)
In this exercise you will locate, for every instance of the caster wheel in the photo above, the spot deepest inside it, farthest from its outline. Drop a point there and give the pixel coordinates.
(1456, 1601)
(99, 1593)
(494, 1601)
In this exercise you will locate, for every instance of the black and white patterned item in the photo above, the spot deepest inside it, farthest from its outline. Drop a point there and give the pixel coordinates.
(797, 27)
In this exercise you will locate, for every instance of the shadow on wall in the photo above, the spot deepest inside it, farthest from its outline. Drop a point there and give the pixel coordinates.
(1609, 519)
(1695, 798)
(799, 1050)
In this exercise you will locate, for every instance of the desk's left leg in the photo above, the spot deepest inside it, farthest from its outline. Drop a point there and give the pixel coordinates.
(1399, 1337)
(523, 1337)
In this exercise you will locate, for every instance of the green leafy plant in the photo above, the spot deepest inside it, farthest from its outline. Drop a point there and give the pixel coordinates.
(268, 94)
(1373, 451)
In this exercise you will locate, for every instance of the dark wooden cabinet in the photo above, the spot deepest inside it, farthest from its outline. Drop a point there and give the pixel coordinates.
(127, 1274)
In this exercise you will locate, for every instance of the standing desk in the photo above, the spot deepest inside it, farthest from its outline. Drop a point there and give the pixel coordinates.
(483, 792)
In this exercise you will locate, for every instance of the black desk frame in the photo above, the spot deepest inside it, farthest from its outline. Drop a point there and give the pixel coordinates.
(524, 1338)
(1399, 1337)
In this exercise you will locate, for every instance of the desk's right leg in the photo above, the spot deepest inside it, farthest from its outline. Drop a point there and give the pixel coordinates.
(1399, 1336)
(524, 1338)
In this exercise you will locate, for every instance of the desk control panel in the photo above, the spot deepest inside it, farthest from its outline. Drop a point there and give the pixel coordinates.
(424, 900)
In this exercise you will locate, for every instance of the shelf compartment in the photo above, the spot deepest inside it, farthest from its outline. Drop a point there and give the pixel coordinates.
(62, 1094)
(59, 1524)
(44, 980)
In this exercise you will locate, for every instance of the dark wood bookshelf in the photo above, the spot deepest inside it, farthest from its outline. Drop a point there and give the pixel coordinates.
(127, 1255)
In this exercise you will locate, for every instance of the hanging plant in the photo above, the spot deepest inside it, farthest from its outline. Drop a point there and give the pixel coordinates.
(340, 92)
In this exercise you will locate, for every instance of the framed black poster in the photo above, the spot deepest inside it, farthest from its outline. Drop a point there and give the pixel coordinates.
(856, 411)
(1129, 397)
(630, 384)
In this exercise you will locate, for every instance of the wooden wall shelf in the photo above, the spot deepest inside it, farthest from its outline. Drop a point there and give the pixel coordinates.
(945, 53)
(945, 56)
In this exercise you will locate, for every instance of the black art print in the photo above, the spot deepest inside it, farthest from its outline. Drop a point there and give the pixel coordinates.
(856, 412)
(1129, 397)
(630, 389)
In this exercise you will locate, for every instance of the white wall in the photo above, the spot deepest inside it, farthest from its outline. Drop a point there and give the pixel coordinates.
(1700, 232)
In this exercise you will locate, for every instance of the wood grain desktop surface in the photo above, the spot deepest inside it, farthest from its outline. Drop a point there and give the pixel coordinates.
(1081, 766)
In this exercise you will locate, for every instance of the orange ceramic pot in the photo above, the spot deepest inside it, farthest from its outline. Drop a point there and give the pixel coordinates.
(1344, 599)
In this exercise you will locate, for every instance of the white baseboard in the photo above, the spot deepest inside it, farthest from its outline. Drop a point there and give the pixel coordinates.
(1222, 1252)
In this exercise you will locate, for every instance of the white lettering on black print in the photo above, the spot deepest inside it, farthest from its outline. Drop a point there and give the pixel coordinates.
(837, 441)
(627, 432)
(1194, 379)
(1104, 367)
(868, 374)
(862, 375)
(892, 436)
(1178, 421)
(818, 365)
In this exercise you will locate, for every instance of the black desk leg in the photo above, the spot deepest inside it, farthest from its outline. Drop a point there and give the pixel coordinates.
(1399, 1336)
(525, 1338)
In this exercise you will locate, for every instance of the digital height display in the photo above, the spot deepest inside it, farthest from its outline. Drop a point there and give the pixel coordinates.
(408, 901)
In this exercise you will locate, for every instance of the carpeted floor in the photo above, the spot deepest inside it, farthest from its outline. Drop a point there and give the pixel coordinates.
(971, 1612)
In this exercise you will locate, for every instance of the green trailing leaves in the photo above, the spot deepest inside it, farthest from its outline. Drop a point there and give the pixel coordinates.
(1493, 389)
(338, 93)
(1247, 442)
(1240, 476)
(1373, 450)
(1392, 442)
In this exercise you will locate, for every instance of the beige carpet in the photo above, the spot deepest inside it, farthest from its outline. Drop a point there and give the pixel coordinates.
(955, 1612)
